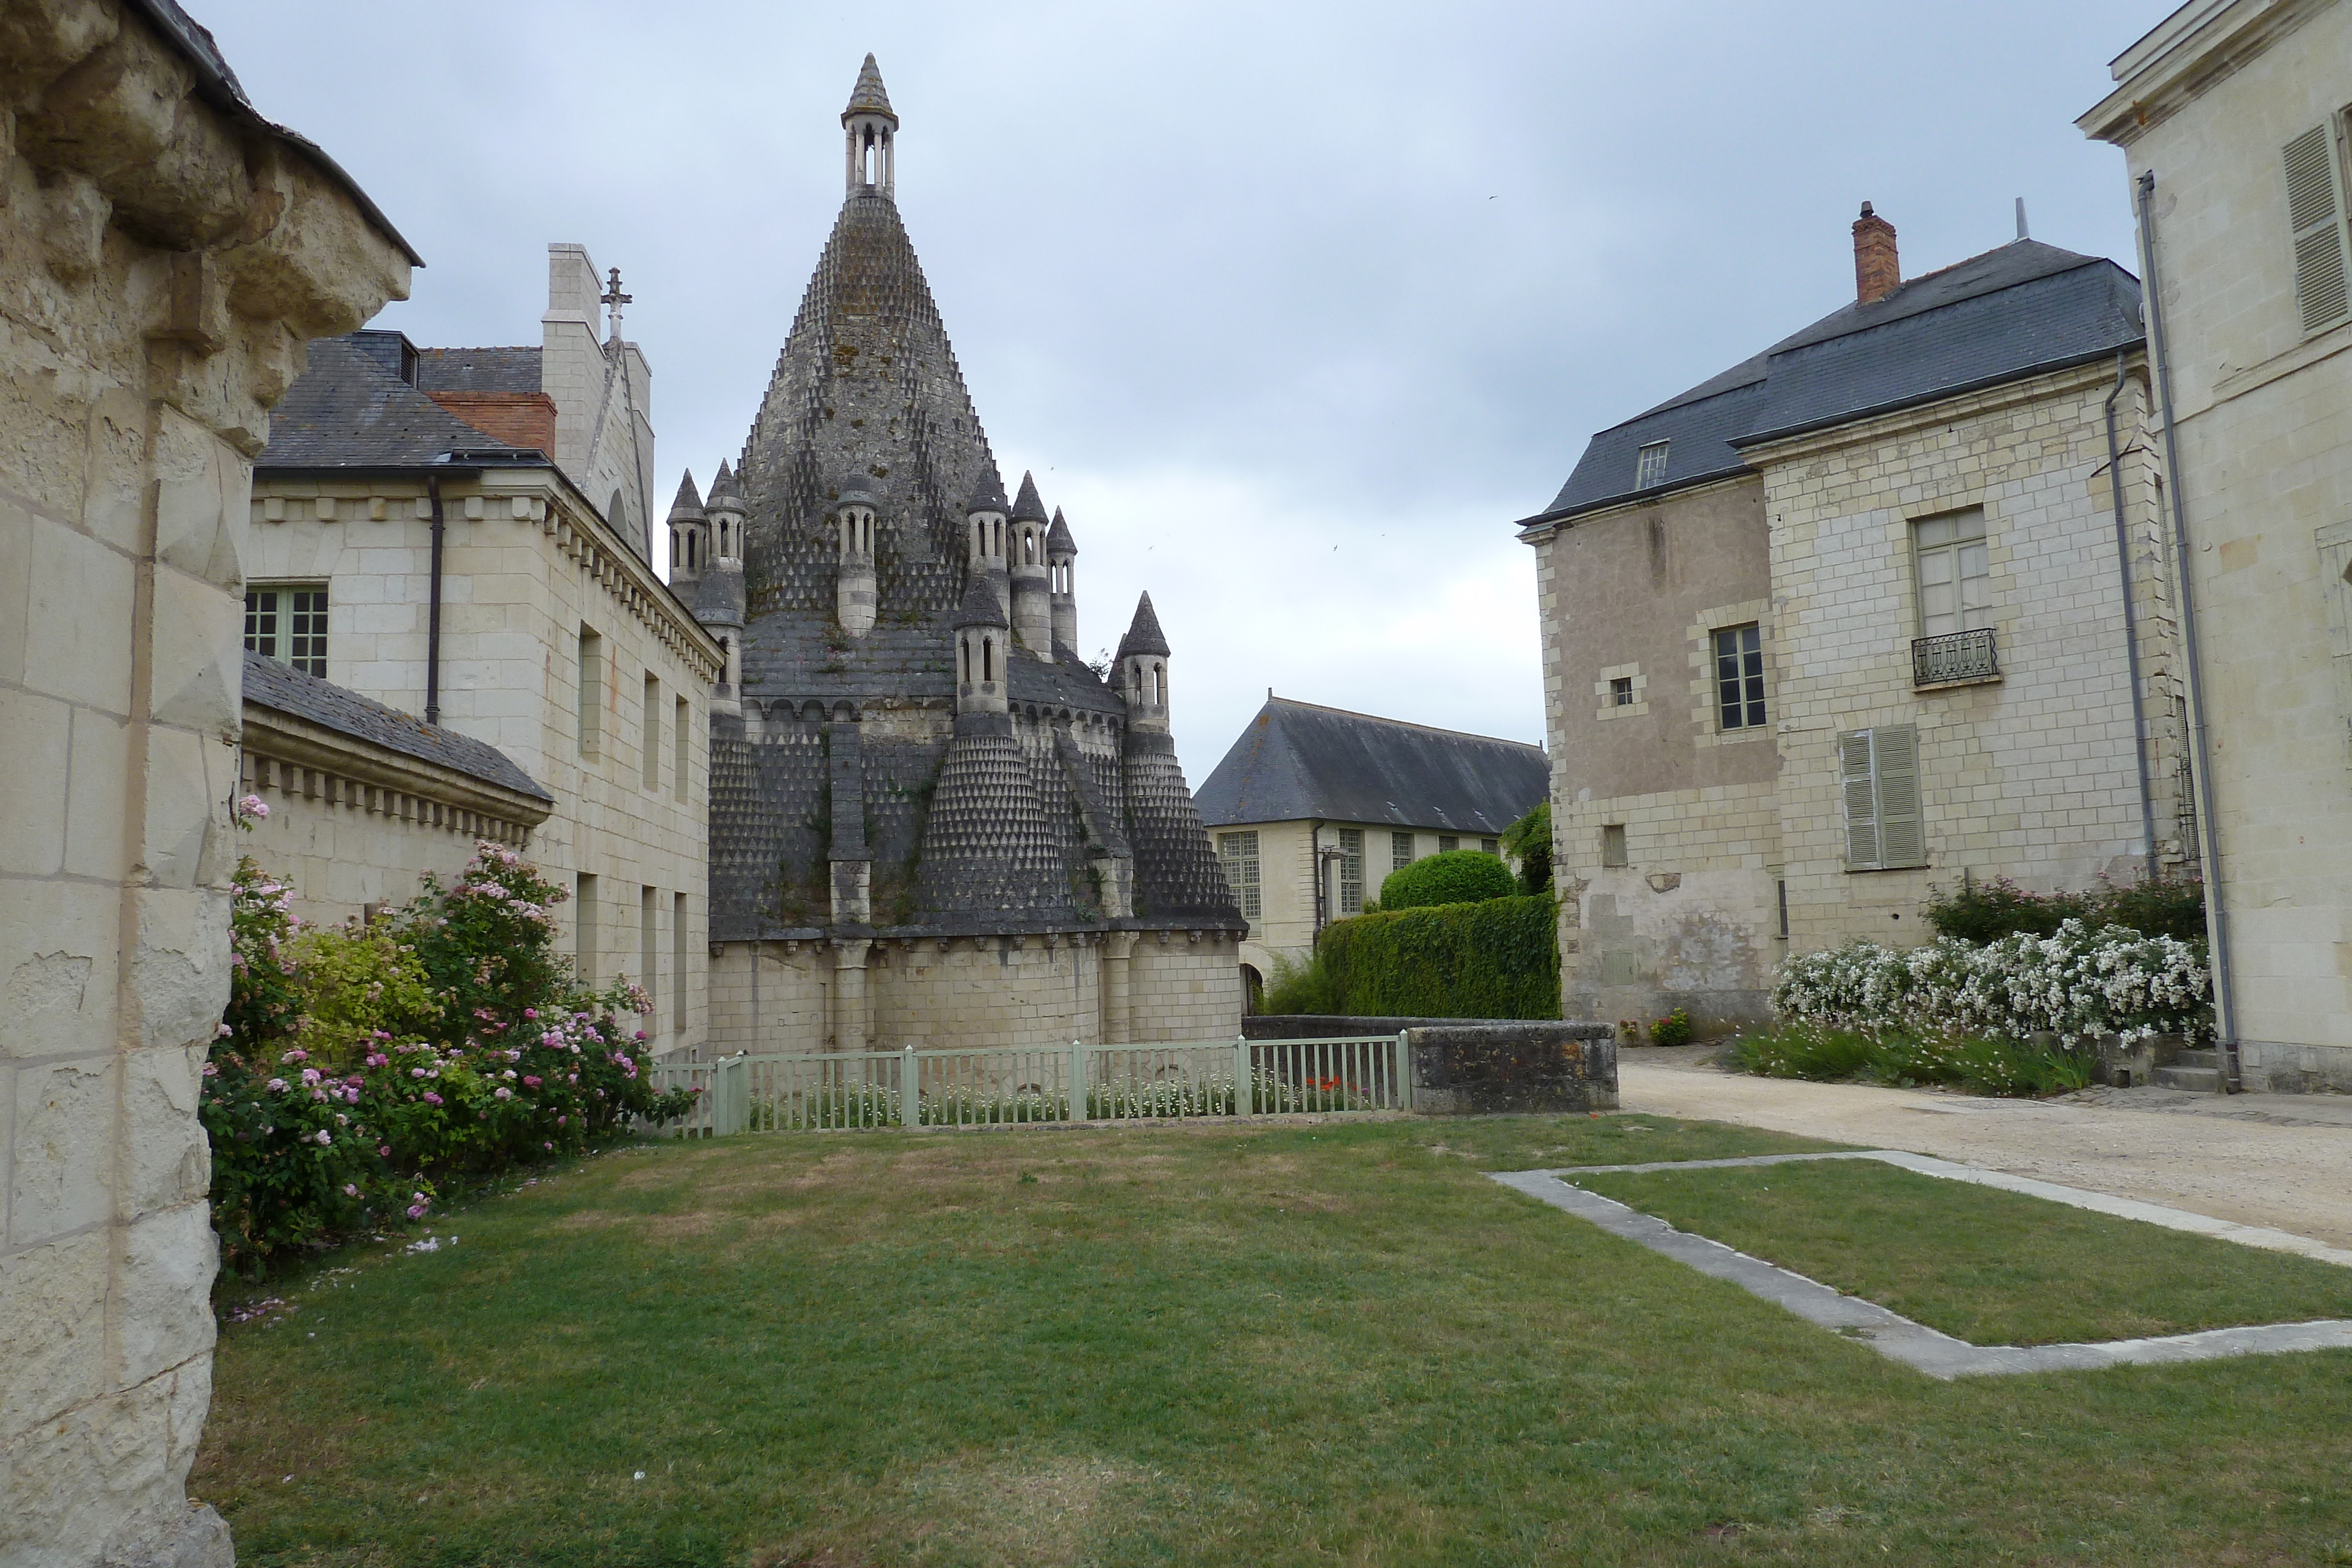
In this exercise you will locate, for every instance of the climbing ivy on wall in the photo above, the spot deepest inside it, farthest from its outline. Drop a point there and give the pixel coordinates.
(1498, 959)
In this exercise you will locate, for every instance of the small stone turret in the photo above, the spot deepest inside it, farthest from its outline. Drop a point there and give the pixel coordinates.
(1143, 672)
(981, 646)
(690, 541)
(1061, 557)
(718, 600)
(854, 585)
(870, 130)
(984, 533)
(1033, 620)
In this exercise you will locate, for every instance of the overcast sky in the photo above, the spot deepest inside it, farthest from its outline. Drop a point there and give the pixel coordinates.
(1294, 308)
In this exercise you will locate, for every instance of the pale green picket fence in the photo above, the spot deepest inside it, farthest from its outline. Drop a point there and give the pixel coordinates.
(1073, 1082)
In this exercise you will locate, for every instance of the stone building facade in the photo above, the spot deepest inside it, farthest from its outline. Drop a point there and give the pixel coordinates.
(931, 823)
(165, 252)
(2235, 118)
(1312, 807)
(1848, 622)
(472, 586)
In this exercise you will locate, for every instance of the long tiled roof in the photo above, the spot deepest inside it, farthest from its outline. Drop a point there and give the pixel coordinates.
(284, 689)
(2021, 311)
(345, 411)
(1297, 760)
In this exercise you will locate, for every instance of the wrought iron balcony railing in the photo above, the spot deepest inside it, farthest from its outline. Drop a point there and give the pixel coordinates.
(1953, 658)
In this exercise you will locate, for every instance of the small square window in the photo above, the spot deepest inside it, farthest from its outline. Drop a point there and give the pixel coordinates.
(1620, 691)
(1612, 845)
(1650, 465)
(1740, 676)
(288, 624)
(1490, 846)
(1447, 844)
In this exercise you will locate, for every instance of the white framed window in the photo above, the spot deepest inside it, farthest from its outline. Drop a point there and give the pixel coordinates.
(1878, 775)
(1400, 851)
(287, 622)
(2315, 220)
(1239, 852)
(1650, 465)
(1351, 871)
(1740, 676)
(1954, 572)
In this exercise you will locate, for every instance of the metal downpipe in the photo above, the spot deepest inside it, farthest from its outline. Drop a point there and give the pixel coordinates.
(2131, 626)
(2209, 831)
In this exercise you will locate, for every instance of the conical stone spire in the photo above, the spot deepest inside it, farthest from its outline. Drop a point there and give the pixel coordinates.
(1027, 507)
(1058, 542)
(1144, 635)
(723, 484)
(689, 503)
(868, 97)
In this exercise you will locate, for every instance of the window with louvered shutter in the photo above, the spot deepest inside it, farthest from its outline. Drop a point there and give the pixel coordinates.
(2315, 211)
(1878, 775)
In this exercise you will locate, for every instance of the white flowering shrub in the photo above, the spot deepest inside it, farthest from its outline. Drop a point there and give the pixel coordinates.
(2075, 984)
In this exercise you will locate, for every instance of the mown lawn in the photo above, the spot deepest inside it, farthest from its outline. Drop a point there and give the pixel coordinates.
(1312, 1345)
(1984, 1265)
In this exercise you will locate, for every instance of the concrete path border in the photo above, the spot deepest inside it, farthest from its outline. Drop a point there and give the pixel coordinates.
(1915, 1344)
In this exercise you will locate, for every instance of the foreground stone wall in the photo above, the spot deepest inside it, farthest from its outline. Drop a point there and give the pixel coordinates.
(1463, 1067)
(164, 258)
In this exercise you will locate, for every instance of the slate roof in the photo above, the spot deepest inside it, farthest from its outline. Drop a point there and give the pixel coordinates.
(2024, 309)
(1297, 760)
(1058, 541)
(284, 689)
(1027, 507)
(478, 369)
(1143, 634)
(345, 411)
(868, 97)
(687, 504)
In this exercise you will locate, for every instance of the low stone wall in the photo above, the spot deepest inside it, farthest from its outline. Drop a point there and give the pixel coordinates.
(1474, 1067)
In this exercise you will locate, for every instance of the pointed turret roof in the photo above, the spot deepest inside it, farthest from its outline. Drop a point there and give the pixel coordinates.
(1027, 507)
(987, 495)
(689, 504)
(724, 484)
(979, 607)
(1144, 636)
(1057, 540)
(868, 97)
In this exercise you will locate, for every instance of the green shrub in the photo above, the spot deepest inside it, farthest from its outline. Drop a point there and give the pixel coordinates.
(1497, 959)
(1983, 912)
(1457, 876)
(1528, 842)
(1300, 988)
(1675, 1029)
(1982, 1064)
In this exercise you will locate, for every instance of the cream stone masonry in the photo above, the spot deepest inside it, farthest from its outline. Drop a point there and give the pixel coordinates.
(164, 256)
(2208, 110)
(527, 564)
(1693, 854)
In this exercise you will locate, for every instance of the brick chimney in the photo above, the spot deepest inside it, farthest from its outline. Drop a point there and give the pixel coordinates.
(1877, 271)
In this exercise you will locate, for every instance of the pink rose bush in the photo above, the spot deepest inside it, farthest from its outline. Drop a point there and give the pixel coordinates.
(357, 1070)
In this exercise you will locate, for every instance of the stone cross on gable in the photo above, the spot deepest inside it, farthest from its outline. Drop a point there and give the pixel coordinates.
(614, 298)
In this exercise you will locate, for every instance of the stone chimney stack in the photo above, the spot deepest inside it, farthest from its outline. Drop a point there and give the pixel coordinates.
(1877, 272)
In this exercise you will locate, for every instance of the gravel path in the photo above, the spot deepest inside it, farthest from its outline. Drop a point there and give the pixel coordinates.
(2278, 1160)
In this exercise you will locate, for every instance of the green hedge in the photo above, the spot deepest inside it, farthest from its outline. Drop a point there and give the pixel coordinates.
(1982, 912)
(1498, 959)
(1457, 876)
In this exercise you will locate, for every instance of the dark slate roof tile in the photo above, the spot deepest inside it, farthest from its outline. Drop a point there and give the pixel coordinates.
(478, 369)
(2010, 313)
(284, 689)
(345, 412)
(1297, 760)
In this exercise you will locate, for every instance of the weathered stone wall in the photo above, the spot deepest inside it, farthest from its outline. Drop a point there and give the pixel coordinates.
(1469, 1068)
(989, 991)
(1179, 988)
(2264, 426)
(163, 260)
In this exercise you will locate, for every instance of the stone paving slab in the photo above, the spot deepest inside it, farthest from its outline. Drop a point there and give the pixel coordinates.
(1914, 1343)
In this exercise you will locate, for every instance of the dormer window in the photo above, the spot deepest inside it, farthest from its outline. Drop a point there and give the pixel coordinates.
(1650, 465)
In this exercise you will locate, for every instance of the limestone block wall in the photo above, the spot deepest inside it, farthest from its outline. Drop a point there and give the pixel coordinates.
(989, 992)
(163, 260)
(527, 567)
(1181, 990)
(2265, 428)
(769, 997)
(2032, 778)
